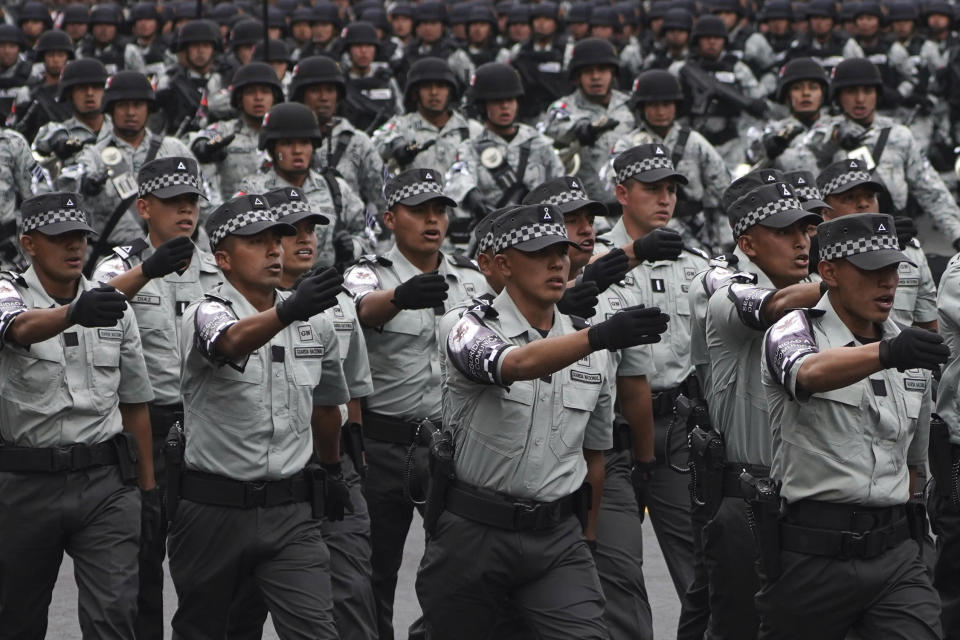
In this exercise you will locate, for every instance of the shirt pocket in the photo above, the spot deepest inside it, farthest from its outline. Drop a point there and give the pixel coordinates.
(577, 402)
(836, 430)
(505, 431)
(406, 322)
(235, 398)
(33, 377)
(105, 378)
(306, 376)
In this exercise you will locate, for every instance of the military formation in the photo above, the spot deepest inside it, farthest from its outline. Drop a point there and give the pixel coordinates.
(276, 276)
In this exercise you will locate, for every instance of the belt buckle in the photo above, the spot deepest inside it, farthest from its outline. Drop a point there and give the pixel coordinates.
(524, 514)
(853, 544)
(255, 493)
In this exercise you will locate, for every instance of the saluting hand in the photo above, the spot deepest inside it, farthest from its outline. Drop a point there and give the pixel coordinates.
(632, 326)
(100, 307)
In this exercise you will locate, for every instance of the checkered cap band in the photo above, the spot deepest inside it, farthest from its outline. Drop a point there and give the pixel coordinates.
(415, 189)
(170, 180)
(641, 166)
(849, 248)
(52, 217)
(806, 193)
(529, 232)
(241, 221)
(570, 195)
(486, 242)
(845, 178)
(763, 212)
(289, 208)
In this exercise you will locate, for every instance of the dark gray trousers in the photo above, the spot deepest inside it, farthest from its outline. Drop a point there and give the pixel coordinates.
(945, 520)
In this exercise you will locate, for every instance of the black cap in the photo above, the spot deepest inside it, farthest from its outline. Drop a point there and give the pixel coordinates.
(416, 186)
(646, 163)
(483, 232)
(244, 215)
(844, 175)
(170, 177)
(53, 213)
(804, 184)
(866, 240)
(291, 206)
(530, 228)
(773, 205)
(745, 184)
(566, 193)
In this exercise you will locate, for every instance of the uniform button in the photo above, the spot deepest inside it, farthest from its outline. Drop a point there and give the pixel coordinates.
(539, 441)
(278, 374)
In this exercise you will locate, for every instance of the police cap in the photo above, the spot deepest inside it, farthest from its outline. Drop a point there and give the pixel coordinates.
(291, 206)
(170, 177)
(804, 185)
(745, 184)
(773, 205)
(53, 214)
(646, 163)
(567, 194)
(866, 240)
(416, 186)
(530, 228)
(844, 175)
(245, 215)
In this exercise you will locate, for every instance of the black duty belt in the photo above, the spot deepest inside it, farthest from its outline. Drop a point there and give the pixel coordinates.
(208, 488)
(75, 457)
(163, 416)
(733, 486)
(504, 512)
(843, 530)
(664, 401)
(389, 429)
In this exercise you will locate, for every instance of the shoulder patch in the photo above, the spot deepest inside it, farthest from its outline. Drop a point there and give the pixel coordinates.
(362, 278)
(579, 323)
(214, 316)
(474, 349)
(787, 341)
(111, 267)
(460, 260)
(748, 300)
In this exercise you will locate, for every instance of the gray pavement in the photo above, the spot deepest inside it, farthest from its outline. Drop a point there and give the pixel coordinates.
(663, 598)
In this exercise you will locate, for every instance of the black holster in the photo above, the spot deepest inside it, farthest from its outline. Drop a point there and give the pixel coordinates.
(622, 435)
(351, 438)
(765, 514)
(583, 504)
(173, 452)
(127, 457)
(917, 521)
(317, 483)
(940, 456)
(441, 475)
(707, 459)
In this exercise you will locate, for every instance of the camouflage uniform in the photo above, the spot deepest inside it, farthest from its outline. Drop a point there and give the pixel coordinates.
(349, 223)
(467, 172)
(358, 163)
(242, 160)
(794, 157)
(75, 129)
(565, 113)
(20, 178)
(132, 59)
(413, 128)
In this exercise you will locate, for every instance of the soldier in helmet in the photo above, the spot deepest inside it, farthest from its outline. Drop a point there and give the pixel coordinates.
(589, 121)
(432, 41)
(291, 136)
(673, 45)
(889, 149)
(540, 61)
(803, 89)
(508, 158)
(105, 43)
(276, 53)
(823, 42)
(657, 100)
(326, 27)
(75, 21)
(14, 72)
(372, 94)
(105, 172)
(345, 151)
(229, 147)
(184, 91)
(400, 15)
(37, 104)
(432, 129)
(482, 46)
(33, 19)
(81, 90)
(146, 25)
(244, 36)
(738, 28)
(766, 50)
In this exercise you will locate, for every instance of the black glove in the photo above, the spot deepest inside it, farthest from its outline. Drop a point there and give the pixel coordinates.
(758, 108)
(608, 269)
(66, 146)
(849, 140)
(149, 522)
(172, 255)
(343, 250)
(659, 244)
(91, 185)
(425, 291)
(588, 133)
(641, 473)
(906, 229)
(579, 300)
(336, 499)
(403, 153)
(914, 348)
(312, 295)
(100, 307)
(212, 149)
(774, 144)
(473, 203)
(630, 327)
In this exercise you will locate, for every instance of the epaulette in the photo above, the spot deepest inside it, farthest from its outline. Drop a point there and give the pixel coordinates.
(374, 259)
(13, 276)
(697, 252)
(482, 308)
(607, 242)
(460, 260)
(215, 298)
(579, 323)
(135, 248)
(914, 242)
(728, 260)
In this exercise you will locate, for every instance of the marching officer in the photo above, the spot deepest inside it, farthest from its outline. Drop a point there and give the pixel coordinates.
(261, 383)
(589, 121)
(229, 148)
(182, 89)
(849, 396)
(75, 431)
(527, 403)
(823, 42)
(765, 50)
(372, 94)
(432, 128)
(398, 297)
(346, 151)
(657, 101)
(508, 159)
(105, 43)
(673, 44)
(432, 41)
(291, 136)
(540, 61)
(160, 275)
(146, 25)
(14, 72)
(20, 177)
(37, 104)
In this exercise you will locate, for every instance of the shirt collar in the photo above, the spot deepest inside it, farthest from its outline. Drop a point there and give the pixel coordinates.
(512, 322)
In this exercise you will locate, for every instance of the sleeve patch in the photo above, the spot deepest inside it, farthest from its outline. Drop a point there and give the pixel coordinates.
(110, 268)
(361, 279)
(786, 342)
(749, 300)
(11, 305)
(475, 350)
(212, 319)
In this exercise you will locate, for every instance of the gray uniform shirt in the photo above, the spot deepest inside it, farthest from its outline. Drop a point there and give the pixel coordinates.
(403, 352)
(243, 159)
(359, 163)
(849, 445)
(525, 439)
(353, 348)
(250, 420)
(916, 297)
(67, 389)
(413, 128)
(159, 306)
(948, 317)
